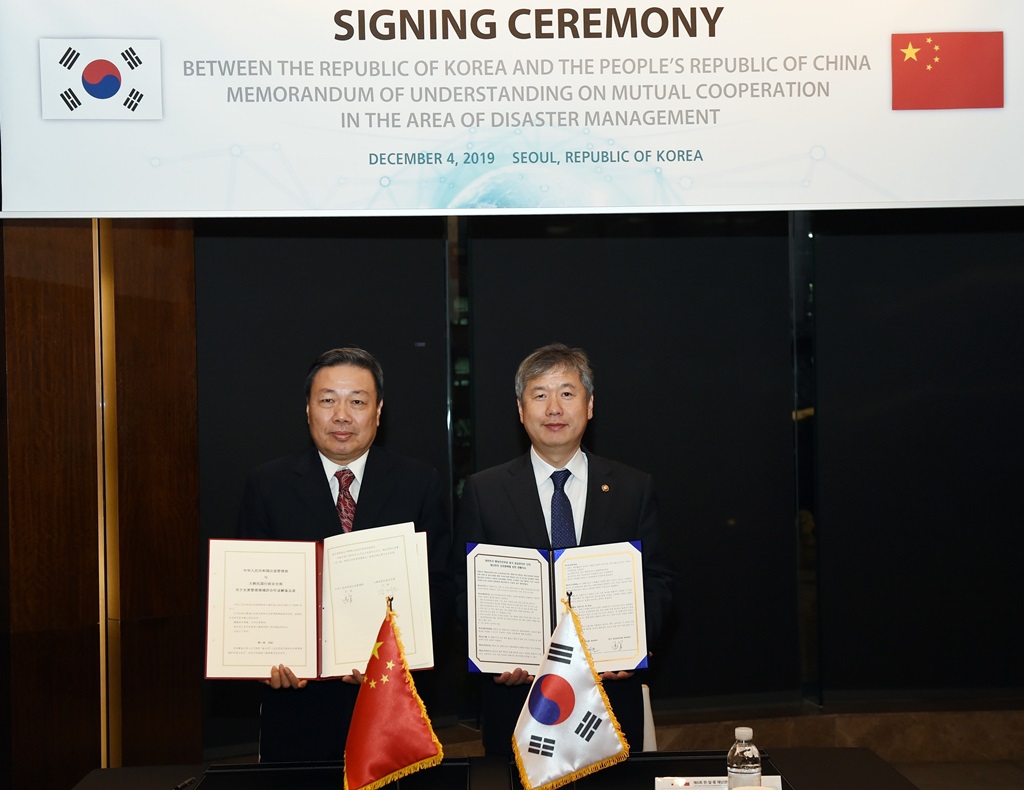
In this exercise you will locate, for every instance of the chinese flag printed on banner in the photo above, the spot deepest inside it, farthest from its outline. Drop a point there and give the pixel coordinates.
(947, 71)
(390, 735)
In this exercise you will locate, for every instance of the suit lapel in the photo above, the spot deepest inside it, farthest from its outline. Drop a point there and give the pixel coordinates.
(521, 487)
(374, 489)
(313, 490)
(600, 491)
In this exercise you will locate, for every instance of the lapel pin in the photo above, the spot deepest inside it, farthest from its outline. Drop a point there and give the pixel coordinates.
(606, 488)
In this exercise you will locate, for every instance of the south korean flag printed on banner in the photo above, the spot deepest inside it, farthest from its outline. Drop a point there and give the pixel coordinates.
(110, 79)
(567, 728)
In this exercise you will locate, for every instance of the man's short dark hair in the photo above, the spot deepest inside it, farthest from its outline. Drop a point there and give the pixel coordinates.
(551, 358)
(349, 355)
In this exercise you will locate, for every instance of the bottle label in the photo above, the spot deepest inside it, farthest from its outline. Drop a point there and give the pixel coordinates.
(744, 778)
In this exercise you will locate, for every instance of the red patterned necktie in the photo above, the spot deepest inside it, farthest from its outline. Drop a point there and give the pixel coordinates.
(346, 504)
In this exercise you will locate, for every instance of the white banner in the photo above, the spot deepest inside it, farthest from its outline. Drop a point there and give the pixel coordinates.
(267, 107)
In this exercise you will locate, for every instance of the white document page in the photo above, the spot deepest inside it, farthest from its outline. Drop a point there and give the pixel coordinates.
(261, 608)
(607, 585)
(361, 570)
(508, 592)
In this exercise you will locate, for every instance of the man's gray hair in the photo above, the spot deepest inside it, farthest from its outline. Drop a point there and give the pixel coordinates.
(551, 358)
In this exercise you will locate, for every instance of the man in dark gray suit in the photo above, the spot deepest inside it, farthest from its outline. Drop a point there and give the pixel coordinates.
(297, 498)
(511, 505)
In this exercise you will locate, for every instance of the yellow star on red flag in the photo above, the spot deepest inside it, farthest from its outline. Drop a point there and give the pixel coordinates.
(910, 52)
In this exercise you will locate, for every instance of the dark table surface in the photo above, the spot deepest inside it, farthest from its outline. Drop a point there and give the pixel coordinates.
(801, 769)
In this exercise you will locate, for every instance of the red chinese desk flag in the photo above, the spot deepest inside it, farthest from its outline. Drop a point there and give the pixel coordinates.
(947, 71)
(390, 735)
(566, 729)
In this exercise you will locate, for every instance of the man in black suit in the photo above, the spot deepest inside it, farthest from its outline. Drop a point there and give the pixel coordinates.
(297, 498)
(511, 505)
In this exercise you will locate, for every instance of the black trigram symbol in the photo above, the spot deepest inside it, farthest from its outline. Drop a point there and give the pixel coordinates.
(560, 653)
(72, 101)
(132, 102)
(588, 726)
(69, 58)
(131, 58)
(545, 747)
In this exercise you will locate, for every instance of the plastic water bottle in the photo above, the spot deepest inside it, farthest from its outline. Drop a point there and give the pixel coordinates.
(743, 763)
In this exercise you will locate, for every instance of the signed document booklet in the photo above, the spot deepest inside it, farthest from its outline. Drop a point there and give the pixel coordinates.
(315, 607)
(515, 594)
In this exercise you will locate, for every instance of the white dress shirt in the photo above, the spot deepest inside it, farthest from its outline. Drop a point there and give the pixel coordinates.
(357, 467)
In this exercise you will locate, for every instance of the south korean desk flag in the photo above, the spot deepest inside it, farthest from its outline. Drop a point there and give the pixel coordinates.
(567, 728)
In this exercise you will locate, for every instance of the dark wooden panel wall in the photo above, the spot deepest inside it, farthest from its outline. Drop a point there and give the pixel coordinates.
(53, 482)
(50, 527)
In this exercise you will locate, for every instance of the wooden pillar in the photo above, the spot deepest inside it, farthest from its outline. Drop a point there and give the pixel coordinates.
(157, 612)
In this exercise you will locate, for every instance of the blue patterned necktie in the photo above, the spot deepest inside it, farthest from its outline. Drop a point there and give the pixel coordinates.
(563, 531)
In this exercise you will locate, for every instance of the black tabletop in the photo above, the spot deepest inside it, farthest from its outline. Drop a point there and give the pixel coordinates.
(801, 769)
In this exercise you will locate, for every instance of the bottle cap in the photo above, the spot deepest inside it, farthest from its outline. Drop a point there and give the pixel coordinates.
(744, 734)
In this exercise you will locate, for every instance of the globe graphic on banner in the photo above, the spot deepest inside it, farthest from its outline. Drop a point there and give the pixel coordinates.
(537, 188)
